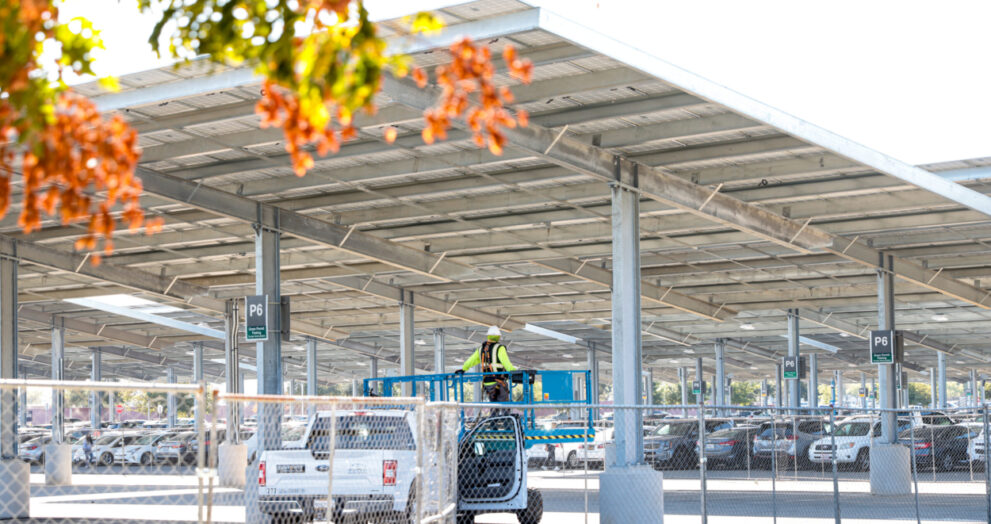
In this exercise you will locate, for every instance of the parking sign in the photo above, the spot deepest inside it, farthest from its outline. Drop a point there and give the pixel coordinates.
(789, 368)
(883, 345)
(256, 318)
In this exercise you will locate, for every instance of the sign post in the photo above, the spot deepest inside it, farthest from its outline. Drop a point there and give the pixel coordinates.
(256, 318)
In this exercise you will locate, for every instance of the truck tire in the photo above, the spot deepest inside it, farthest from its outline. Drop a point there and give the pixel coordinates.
(534, 508)
(572, 462)
(466, 518)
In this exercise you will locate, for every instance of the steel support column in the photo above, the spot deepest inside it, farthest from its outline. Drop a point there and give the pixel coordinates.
(626, 342)
(170, 407)
(8, 357)
(95, 398)
(440, 351)
(863, 387)
(886, 320)
(840, 389)
(720, 381)
(933, 398)
(683, 380)
(700, 398)
(973, 387)
(763, 393)
(232, 369)
(941, 378)
(197, 379)
(311, 373)
(794, 386)
(406, 342)
(58, 373)
(813, 381)
(778, 393)
(268, 354)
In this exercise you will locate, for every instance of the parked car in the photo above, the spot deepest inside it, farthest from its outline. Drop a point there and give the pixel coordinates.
(853, 438)
(142, 450)
(788, 440)
(103, 449)
(942, 448)
(672, 444)
(730, 447)
(976, 448)
(595, 452)
(176, 449)
(33, 451)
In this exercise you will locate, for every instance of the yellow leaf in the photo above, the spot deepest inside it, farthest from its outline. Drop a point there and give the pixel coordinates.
(110, 83)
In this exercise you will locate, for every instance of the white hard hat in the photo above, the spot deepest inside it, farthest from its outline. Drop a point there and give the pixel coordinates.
(494, 331)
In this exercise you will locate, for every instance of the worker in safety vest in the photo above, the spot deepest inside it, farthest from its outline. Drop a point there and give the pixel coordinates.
(494, 359)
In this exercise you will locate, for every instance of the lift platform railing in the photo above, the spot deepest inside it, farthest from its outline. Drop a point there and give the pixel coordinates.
(539, 388)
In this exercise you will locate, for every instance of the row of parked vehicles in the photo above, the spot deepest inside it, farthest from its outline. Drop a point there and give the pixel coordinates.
(136, 445)
(801, 442)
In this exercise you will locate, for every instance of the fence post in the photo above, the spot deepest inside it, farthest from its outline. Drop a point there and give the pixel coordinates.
(987, 470)
(774, 469)
(705, 516)
(915, 477)
(836, 481)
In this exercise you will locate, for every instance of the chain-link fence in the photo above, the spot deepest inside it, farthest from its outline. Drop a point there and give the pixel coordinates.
(758, 464)
(355, 460)
(101, 451)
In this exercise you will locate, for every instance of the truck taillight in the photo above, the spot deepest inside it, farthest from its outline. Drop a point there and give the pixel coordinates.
(389, 472)
(261, 473)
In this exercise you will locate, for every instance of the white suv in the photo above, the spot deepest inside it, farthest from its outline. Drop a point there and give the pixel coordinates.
(853, 439)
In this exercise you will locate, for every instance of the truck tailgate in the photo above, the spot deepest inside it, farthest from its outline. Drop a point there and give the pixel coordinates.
(296, 472)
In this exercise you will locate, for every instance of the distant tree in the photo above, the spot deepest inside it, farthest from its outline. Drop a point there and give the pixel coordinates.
(746, 393)
(919, 394)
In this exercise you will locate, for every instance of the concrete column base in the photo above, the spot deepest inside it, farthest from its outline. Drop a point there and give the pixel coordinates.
(15, 497)
(631, 495)
(58, 465)
(891, 469)
(231, 462)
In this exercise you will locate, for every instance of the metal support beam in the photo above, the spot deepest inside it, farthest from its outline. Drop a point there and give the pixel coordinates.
(763, 393)
(885, 373)
(232, 369)
(794, 386)
(197, 379)
(700, 397)
(170, 407)
(973, 387)
(813, 381)
(95, 397)
(8, 356)
(58, 374)
(840, 388)
(941, 379)
(268, 354)
(658, 184)
(440, 351)
(744, 105)
(407, 357)
(778, 394)
(933, 397)
(311, 373)
(863, 387)
(720, 382)
(627, 354)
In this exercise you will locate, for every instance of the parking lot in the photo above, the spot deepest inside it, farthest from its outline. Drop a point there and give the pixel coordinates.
(170, 494)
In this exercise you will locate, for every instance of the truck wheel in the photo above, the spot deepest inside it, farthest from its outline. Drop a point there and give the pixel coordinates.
(466, 518)
(534, 508)
(572, 462)
(864, 460)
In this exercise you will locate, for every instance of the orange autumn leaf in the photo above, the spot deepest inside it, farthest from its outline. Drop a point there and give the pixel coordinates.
(390, 134)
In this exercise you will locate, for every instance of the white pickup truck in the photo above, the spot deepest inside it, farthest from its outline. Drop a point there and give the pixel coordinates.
(375, 467)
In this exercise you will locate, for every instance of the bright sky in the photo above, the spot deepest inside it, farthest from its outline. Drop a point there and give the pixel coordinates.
(908, 78)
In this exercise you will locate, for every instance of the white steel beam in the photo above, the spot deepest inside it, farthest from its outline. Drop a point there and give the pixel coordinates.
(148, 317)
(641, 60)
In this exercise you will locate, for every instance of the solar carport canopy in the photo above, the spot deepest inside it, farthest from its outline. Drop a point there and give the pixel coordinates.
(745, 212)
